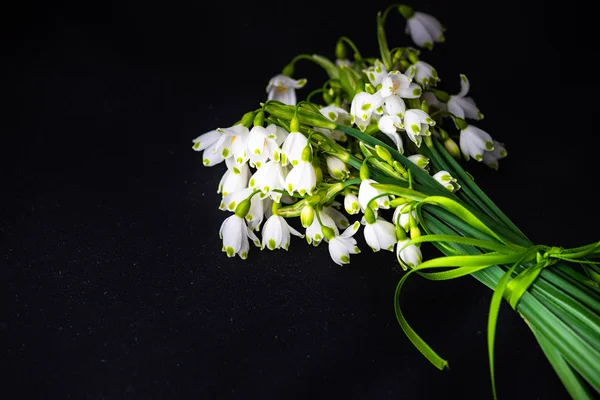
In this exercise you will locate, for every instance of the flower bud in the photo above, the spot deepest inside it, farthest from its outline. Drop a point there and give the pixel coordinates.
(307, 215)
(340, 50)
(384, 154)
(288, 70)
(452, 148)
(294, 124)
(425, 106)
(259, 119)
(413, 58)
(364, 172)
(242, 209)
(337, 168)
(247, 119)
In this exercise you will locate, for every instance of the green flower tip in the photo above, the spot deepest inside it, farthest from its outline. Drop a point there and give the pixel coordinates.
(406, 11)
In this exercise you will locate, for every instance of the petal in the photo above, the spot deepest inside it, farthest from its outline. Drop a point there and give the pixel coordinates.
(340, 220)
(394, 105)
(206, 139)
(351, 230)
(371, 237)
(210, 157)
(464, 86)
(338, 252)
(419, 34)
(455, 108)
(413, 91)
(388, 123)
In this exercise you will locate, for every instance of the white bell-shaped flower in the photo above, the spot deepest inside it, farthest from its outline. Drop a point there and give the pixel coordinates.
(362, 107)
(416, 124)
(276, 233)
(238, 136)
(491, 158)
(424, 29)
(366, 192)
(338, 115)
(259, 208)
(461, 105)
(341, 246)
(269, 179)
(351, 204)
(314, 233)
(388, 125)
(420, 161)
(423, 73)
(283, 88)
(301, 179)
(292, 148)
(408, 255)
(376, 72)
(262, 146)
(474, 142)
(235, 234)
(215, 145)
(336, 167)
(380, 235)
(447, 180)
(234, 179)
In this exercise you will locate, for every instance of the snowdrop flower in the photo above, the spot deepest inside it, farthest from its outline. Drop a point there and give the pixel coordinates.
(341, 246)
(269, 178)
(420, 161)
(424, 29)
(380, 234)
(262, 145)
(423, 73)
(410, 255)
(402, 217)
(235, 234)
(474, 142)
(362, 107)
(389, 124)
(491, 158)
(336, 167)
(376, 73)
(351, 204)
(461, 105)
(237, 135)
(302, 179)
(446, 180)
(366, 192)
(292, 148)
(276, 233)
(283, 88)
(235, 178)
(416, 124)
(340, 117)
(396, 83)
(314, 233)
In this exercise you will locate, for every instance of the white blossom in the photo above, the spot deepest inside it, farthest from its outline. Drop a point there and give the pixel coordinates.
(424, 73)
(366, 192)
(314, 233)
(235, 178)
(276, 233)
(376, 73)
(416, 124)
(302, 179)
(336, 167)
(398, 84)
(474, 142)
(410, 255)
(402, 216)
(351, 204)
(447, 180)
(283, 88)
(424, 30)
(237, 135)
(420, 160)
(491, 158)
(380, 235)
(341, 246)
(462, 105)
(362, 107)
(292, 148)
(235, 234)
(269, 179)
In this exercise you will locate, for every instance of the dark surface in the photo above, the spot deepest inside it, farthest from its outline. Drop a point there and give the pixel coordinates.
(117, 287)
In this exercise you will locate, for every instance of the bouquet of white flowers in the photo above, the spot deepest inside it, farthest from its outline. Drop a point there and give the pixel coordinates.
(376, 147)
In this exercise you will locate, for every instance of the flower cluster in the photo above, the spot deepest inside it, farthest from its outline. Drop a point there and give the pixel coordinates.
(279, 168)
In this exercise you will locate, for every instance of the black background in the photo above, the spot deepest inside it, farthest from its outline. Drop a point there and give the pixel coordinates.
(116, 285)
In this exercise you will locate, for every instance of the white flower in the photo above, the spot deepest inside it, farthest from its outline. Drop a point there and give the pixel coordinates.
(362, 107)
(302, 179)
(423, 73)
(417, 123)
(340, 247)
(235, 138)
(403, 218)
(474, 142)
(491, 158)
(420, 160)
(380, 235)
(276, 233)
(351, 204)
(216, 145)
(292, 148)
(283, 88)
(235, 178)
(314, 233)
(235, 234)
(376, 72)
(269, 178)
(410, 255)
(461, 105)
(336, 167)
(446, 180)
(262, 145)
(366, 192)
(338, 115)
(424, 30)
(396, 83)
(259, 208)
